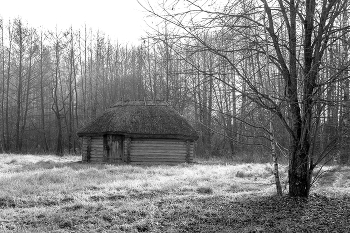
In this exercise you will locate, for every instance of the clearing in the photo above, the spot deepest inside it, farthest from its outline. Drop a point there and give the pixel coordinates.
(52, 194)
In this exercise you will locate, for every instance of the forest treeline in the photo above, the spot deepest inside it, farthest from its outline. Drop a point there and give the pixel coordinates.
(53, 82)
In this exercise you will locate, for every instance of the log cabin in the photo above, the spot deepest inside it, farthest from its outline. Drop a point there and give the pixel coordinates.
(138, 132)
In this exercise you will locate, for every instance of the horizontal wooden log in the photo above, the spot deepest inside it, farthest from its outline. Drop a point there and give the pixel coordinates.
(97, 152)
(114, 158)
(97, 149)
(159, 155)
(158, 149)
(158, 163)
(96, 159)
(157, 158)
(156, 140)
(159, 142)
(99, 155)
(96, 144)
(158, 145)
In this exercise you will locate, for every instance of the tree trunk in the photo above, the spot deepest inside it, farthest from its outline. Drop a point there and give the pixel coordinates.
(42, 103)
(345, 115)
(298, 158)
(275, 159)
(3, 135)
(29, 76)
(19, 87)
(299, 179)
(7, 92)
(55, 106)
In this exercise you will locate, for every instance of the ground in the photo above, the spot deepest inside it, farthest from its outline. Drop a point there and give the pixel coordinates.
(52, 194)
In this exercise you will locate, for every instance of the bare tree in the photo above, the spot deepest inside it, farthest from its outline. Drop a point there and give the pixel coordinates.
(310, 27)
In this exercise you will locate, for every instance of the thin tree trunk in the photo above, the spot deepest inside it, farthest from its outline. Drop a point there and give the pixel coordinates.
(55, 106)
(7, 90)
(42, 103)
(19, 88)
(271, 129)
(274, 159)
(345, 115)
(3, 137)
(27, 91)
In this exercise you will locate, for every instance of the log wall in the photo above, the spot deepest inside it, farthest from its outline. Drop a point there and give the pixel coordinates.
(160, 151)
(92, 149)
(137, 151)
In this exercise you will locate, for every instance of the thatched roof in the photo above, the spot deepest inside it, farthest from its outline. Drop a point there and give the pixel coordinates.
(141, 119)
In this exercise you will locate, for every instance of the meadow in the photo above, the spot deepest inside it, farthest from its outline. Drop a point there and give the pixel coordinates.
(45, 193)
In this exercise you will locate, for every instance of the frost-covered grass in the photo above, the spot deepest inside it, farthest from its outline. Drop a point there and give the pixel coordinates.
(52, 194)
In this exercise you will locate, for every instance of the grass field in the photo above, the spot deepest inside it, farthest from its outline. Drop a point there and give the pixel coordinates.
(52, 194)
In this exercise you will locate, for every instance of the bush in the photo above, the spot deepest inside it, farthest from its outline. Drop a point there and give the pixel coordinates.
(204, 190)
(240, 174)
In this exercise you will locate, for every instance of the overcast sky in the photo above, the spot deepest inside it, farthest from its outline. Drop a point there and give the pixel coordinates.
(122, 20)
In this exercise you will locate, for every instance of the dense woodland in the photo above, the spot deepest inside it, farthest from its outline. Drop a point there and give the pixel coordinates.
(53, 82)
(221, 72)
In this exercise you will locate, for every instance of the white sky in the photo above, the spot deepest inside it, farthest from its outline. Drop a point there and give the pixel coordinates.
(122, 20)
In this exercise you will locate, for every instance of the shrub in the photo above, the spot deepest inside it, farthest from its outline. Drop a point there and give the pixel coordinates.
(12, 161)
(204, 190)
(240, 174)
